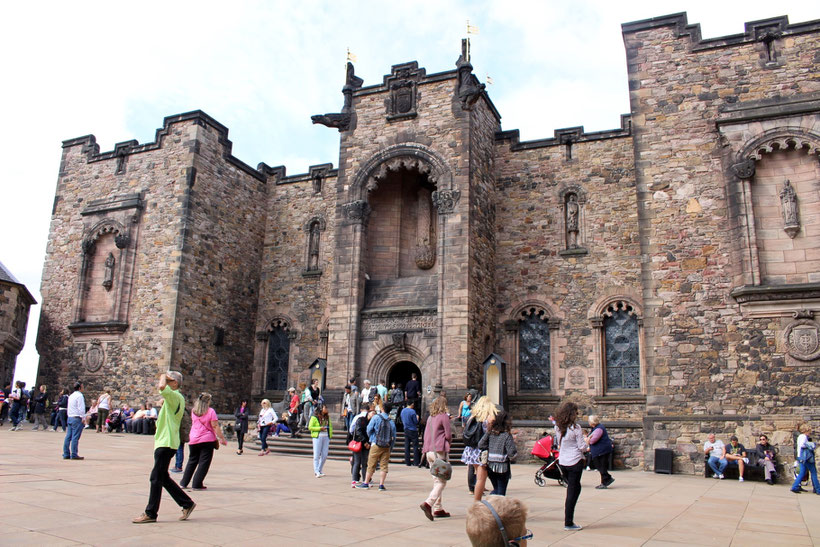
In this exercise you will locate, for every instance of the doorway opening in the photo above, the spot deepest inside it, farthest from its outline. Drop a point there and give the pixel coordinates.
(400, 373)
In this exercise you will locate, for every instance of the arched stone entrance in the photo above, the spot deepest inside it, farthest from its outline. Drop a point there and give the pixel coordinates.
(400, 373)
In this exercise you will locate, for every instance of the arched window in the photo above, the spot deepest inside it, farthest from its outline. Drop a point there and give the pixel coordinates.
(621, 347)
(276, 377)
(534, 350)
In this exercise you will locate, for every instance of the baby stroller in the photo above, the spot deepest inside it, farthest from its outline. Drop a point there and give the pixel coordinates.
(114, 421)
(547, 453)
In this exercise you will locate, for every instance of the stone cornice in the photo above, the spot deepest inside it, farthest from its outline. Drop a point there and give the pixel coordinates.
(397, 312)
(769, 293)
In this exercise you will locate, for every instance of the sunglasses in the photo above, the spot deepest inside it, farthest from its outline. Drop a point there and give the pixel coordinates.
(514, 542)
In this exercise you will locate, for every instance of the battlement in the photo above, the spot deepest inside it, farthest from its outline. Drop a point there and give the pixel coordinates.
(565, 136)
(755, 31)
(121, 149)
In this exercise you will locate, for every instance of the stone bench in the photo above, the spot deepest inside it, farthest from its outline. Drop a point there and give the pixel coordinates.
(753, 471)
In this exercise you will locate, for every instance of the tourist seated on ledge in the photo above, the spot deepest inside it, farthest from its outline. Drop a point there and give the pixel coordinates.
(766, 458)
(736, 455)
(135, 417)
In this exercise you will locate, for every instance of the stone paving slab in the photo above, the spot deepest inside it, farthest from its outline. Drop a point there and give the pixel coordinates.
(253, 500)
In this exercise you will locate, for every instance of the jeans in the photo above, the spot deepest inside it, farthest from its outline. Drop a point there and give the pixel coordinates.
(411, 437)
(500, 481)
(572, 474)
(161, 479)
(348, 419)
(18, 413)
(320, 449)
(199, 461)
(62, 419)
(807, 468)
(601, 463)
(718, 465)
(263, 436)
(240, 437)
(72, 437)
(360, 464)
(180, 456)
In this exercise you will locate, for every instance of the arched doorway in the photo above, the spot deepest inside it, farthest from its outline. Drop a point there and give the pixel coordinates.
(400, 373)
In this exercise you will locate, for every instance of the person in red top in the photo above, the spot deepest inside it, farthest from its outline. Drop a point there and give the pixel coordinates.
(437, 438)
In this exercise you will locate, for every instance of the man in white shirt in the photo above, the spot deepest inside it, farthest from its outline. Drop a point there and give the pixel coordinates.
(367, 392)
(716, 451)
(76, 416)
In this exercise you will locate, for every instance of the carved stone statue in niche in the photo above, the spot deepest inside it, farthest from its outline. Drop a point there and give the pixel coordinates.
(572, 212)
(313, 247)
(788, 200)
(108, 279)
(425, 250)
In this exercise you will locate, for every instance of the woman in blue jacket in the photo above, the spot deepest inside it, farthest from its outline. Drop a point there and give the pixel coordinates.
(600, 447)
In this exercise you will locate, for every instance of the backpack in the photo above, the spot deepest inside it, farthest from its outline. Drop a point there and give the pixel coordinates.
(384, 434)
(473, 433)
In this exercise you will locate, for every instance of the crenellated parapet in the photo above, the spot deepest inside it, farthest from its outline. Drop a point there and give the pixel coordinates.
(565, 136)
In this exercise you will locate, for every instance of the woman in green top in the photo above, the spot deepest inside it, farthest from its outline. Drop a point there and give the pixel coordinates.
(322, 431)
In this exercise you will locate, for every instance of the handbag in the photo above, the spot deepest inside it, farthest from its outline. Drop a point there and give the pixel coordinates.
(483, 457)
(354, 446)
(441, 470)
(215, 444)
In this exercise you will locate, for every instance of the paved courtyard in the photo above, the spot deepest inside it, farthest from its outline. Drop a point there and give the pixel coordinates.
(276, 500)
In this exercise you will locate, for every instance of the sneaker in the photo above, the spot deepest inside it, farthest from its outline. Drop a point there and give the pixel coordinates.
(441, 514)
(354, 484)
(382, 488)
(740, 479)
(770, 482)
(572, 528)
(745, 460)
(176, 470)
(721, 477)
(600, 487)
(77, 457)
(321, 474)
(186, 512)
(143, 519)
(715, 476)
(203, 487)
(609, 482)
(428, 511)
(363, 485)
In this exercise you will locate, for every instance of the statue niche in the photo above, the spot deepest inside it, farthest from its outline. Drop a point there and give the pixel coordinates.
(572, 212)
(425, 246)
(788, 200)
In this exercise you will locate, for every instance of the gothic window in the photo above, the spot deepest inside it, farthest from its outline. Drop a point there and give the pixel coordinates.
(278, 357)
(621, 347)
(534, 350)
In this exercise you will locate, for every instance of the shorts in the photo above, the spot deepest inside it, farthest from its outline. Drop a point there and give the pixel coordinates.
(380, 454)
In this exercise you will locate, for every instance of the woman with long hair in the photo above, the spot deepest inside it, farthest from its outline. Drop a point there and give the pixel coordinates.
(321, 431)
(571, 445)
(437, 438)
(267, 417)
(465, 409)
(358, 432)
(204, 432)
(500, 447)
(241, 425)
(378, 404)
(484, 412)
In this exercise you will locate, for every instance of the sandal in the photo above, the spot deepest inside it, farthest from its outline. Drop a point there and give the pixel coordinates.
(238, 452)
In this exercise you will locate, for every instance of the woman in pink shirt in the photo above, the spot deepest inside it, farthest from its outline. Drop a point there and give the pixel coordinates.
(202, 442)
(437, 438)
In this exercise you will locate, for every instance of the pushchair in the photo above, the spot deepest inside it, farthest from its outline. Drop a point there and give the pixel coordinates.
(114, 422)
(547, 453)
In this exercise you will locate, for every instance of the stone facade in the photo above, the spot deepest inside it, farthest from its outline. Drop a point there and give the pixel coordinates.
(15, 303)
(664, 274)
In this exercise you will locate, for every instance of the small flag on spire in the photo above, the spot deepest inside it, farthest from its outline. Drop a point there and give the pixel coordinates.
(350, 57)
(471, 29)
(489, 80)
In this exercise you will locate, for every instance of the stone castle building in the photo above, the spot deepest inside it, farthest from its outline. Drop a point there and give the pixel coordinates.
(15, 303)
(666, 273)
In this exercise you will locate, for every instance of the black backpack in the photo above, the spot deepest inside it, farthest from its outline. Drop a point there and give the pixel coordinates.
(473, 433)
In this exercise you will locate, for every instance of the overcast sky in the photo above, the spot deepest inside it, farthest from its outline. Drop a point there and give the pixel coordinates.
(262, 68)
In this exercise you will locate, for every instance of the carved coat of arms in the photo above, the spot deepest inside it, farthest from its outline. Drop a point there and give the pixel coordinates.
(803, 339)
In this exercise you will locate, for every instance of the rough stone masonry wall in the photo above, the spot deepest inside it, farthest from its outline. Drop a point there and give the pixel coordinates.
(134, 358)
(14, 310)
(483, 126)
(223, 228)
(531, 234)
(707, 358)
(284, 290)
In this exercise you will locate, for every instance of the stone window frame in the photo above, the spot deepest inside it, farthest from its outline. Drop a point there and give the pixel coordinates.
(599, 346)
(120, 217)
(307, 272)
(512, 326)
(264, 336)
(581, 194)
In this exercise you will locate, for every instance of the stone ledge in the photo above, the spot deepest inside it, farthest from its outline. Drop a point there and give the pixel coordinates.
(103, 327)
(580, 251)
(769, 293)
(614, 398)
(312, 273)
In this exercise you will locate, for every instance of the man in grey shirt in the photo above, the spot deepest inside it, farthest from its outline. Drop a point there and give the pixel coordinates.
(716, 451)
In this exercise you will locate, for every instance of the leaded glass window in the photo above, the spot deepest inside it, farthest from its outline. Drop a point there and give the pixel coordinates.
(278, 356)
(621, 345)
(534, 351)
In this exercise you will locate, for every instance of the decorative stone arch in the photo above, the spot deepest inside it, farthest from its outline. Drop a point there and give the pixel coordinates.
(273, 321)
(390, 353)
(606, 307)
(742, 181)
(408, 155)
(522, 312)
(103, 227)
(313, 229)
